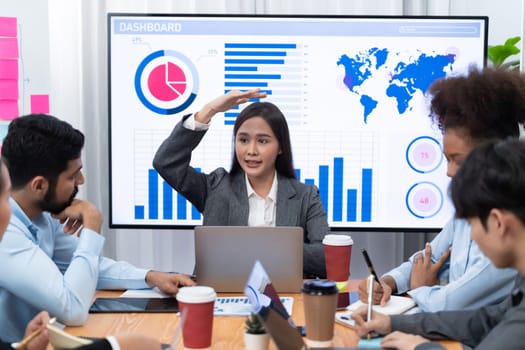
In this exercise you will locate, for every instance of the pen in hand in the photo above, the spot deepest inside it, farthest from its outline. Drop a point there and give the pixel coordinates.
(23, 343)
(370, 266)
(370, 281)
(27, 339)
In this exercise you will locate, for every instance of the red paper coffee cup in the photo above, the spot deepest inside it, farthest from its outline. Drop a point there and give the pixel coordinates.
(337, 254)
(196, 310)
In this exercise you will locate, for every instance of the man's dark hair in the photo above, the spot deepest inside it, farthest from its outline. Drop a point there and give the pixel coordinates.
(39, 145)
(492, 177)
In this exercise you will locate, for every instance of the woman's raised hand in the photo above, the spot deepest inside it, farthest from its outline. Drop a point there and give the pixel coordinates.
(226, 102)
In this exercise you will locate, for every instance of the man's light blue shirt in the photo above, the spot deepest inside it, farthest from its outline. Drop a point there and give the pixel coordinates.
(42, 268)
(468, 280)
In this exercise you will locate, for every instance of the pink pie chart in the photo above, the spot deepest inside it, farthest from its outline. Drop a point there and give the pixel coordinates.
(167, 82)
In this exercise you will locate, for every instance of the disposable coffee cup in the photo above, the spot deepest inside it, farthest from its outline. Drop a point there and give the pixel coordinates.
(320, 302)
(196, 315)
(337, 254)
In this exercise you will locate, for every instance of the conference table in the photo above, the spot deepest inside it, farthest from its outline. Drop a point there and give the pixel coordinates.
(228, 331)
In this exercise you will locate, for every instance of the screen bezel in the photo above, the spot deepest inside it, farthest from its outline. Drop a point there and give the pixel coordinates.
(176, 226)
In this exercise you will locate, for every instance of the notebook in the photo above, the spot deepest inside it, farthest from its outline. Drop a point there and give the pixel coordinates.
(224, 256)
(395, 306)
(60, 340)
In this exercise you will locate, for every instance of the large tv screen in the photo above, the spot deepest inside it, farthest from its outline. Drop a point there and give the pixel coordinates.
(352, 90)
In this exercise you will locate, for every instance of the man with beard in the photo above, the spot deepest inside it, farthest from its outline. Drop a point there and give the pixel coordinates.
(50, 254)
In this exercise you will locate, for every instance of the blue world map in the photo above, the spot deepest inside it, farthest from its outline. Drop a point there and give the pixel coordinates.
(406, 75)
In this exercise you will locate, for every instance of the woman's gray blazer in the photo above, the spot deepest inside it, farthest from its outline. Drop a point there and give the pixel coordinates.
(223, 200)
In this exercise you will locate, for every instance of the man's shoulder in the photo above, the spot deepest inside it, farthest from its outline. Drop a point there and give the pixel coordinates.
(16, 226)
(455, 226)
(16, 236)
(45, 223)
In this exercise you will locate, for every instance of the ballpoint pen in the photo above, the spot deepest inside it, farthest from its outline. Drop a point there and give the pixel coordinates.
(370, 266)
(27, 339)
(23, 343)
(370, 300)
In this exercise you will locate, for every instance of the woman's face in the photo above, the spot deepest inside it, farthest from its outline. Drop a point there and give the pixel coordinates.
(256, 149)
(456, 147)
(5, 208)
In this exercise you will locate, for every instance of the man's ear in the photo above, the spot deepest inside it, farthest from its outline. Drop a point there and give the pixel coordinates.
(39, 186)
(501, 221)
(496, 218)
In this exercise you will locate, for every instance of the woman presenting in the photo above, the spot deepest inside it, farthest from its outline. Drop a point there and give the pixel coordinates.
(261, 187)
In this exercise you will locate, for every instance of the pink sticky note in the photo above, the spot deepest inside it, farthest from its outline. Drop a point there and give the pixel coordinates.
(40, 104)
(8, 89)
(8, 69)
(8, 26)
(8, 48)
(8, 109)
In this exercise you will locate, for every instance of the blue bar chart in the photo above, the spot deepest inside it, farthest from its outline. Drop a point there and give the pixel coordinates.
(275, 68)
(346, 180)
(171, 208)
(175, 206)
(334, 208)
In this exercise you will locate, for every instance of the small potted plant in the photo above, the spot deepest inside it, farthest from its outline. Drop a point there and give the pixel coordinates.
(255, 335)
(498, 54)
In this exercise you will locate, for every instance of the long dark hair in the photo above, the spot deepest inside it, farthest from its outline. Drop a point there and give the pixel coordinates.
(277, 122)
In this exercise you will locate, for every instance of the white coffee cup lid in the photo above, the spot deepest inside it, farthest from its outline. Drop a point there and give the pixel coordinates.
(332, 239)
(196, 294)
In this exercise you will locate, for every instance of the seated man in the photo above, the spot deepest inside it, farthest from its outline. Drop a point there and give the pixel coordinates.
(487, 191)
(50, 254)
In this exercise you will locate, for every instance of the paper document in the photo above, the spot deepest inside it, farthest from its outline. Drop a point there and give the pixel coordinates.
(144, 293)
(240, 306)
(59, 339)
(396, 305)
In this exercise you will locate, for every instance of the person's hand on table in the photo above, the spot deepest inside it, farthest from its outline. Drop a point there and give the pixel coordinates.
(168, 283)
(402, 341)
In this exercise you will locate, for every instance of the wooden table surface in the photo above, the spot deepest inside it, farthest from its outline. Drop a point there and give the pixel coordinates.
(228, 331)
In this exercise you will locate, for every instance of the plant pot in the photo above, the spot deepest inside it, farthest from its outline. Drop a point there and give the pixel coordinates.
(256, 341)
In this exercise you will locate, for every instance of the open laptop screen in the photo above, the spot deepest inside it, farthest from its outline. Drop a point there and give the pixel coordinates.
(224, 256)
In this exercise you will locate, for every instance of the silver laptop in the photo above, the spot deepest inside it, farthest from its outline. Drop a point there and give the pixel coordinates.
(224, 256)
